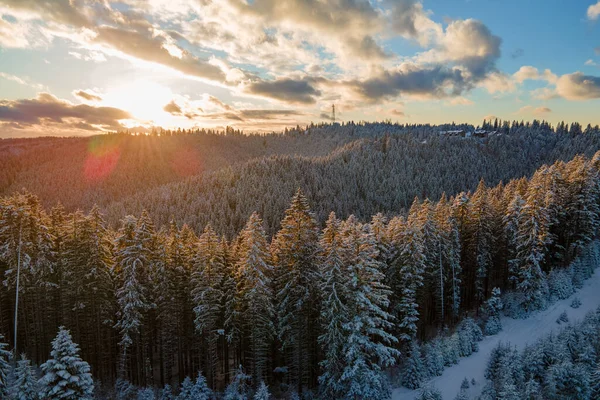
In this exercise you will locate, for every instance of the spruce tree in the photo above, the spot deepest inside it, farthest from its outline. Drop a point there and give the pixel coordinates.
(368, 348)
(207, 280)
(25, 385)
(65, 374)
(239, 388)
(335, 289)
(493, 307)
(5, 357)
(254, 292)
(409, 264)
(200, 390)
(262, 393)
(295, 250)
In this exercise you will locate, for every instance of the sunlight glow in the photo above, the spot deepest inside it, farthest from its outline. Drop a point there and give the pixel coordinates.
(144, 99)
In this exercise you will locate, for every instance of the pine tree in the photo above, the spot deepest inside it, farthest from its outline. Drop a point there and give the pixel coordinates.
(413, 372)
(481, 217)
(65, 374)
(134, 254)
(145, 394)
(493, 307)
(429, 393)
(25, 385)
(335, 288)
(450, 252)
(595, 383)
(532, 240)
(185, 393)
(254, 272)
(167, 393)
(409, 265)
(368, 348)
(5, 357)
(295, 250)
(263, 392)
(208, 296)
(200, 390)
(238, 389)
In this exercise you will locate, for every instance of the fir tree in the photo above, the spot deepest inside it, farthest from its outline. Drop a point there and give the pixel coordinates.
(295, 250)
(145, 394)
(368, 348)
(254, 272)
(25, 385)
(200, 390)
(65, 374)
(409, 265)
(262, 393)
(493, 307)
(185, 393)
(207, 280)
(5, 357)
(335, 289)
(429, 393)
(167, 393)
(238, 389)
(413, 376)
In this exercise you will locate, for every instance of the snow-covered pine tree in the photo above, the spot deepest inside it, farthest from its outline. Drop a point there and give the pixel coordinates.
(5, 368)
(413, 374)
(185, 392)
(568, 381)
(434, 274)
(200, 390)
(132, 257)
(595, 382)
(493, 308)
(166, 393)
(295, 251)
(254, 292)
(207, 295)
(481, 216)
(25, 384)
(262, 393)
(65, 375)
(409, 265)
(512, 221)
(450, 251)
(368, 348)
(532, 240)
(239, 388)
(583, 210)
(433, 358)
(145, 394)
(335, 289)
(429, 393)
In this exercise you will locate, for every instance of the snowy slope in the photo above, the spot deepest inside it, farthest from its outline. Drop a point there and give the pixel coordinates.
(517, 332)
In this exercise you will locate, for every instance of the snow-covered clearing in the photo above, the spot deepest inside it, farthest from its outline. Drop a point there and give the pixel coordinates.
(517, 332)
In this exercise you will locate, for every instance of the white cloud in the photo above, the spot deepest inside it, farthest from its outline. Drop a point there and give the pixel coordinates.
(534, 110)
(593, 11)
(528, 72)
(577, 86)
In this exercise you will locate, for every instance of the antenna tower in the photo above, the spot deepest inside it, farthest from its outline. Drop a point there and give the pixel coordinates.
(333, 113)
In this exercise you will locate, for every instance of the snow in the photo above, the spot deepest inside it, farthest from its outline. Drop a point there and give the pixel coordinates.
(517, 332)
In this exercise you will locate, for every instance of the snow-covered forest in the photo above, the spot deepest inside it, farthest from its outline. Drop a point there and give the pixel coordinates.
(204, 288)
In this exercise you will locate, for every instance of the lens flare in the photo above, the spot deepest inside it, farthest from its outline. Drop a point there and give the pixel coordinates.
(103, 157)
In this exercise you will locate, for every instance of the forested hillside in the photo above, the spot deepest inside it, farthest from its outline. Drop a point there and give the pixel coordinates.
(323, 312)
(378, 172)
(82, 172)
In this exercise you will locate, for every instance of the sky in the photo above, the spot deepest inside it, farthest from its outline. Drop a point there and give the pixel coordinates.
(81, 67)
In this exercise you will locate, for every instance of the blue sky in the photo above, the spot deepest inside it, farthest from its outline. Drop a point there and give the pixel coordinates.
(82, 67)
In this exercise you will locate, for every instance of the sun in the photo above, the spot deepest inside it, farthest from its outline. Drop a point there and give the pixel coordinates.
(144, 99)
